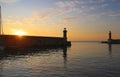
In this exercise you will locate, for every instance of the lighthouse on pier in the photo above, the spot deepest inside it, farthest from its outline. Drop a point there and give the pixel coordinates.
(66, 43)
(110, 37)
(65, 34)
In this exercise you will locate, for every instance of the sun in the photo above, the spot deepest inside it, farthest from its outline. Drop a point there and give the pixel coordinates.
(20, 33)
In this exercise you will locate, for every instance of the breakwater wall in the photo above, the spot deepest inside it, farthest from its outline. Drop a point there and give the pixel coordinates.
(12, 41)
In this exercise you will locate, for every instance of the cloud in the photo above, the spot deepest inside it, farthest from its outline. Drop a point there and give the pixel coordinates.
(73, 3)
(8, 1)
(69, 20)
(116, 14)
(81, 6)
(104, 5)
(50, 13)
(96, 1)
(64, 7)
(64, 4)
(39, 15)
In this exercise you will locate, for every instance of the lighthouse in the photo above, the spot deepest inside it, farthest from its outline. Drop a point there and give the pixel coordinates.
(65, 34)
(110, 37)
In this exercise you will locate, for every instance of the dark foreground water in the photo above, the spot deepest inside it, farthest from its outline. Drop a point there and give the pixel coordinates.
(82, 59)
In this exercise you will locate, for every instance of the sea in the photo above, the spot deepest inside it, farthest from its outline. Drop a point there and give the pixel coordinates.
(82, 59)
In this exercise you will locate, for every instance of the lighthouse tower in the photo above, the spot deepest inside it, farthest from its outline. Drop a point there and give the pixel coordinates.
(65, 34)
(110, 37)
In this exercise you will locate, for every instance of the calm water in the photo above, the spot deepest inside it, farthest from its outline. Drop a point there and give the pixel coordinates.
(82, 59)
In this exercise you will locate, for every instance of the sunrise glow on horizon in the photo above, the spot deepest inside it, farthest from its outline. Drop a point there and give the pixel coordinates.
(84, 19)
(20, 33)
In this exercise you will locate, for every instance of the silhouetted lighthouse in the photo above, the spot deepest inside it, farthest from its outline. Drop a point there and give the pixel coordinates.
(110, 35)
(110, 40)
(65, 34)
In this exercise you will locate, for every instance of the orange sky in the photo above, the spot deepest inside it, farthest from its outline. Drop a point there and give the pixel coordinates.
(84, 20)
